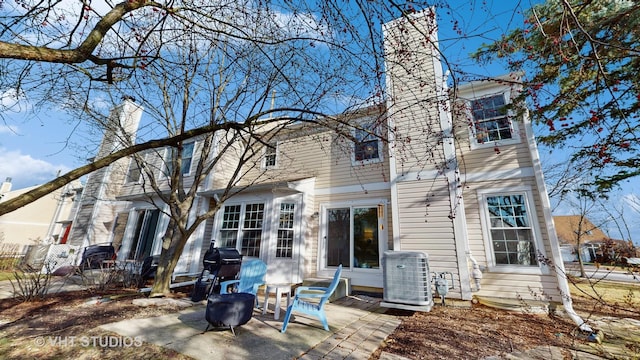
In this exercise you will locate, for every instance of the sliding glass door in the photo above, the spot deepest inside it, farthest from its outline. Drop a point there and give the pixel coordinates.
(351, 236)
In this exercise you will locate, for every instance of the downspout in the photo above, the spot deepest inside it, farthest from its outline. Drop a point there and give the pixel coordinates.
(563, 285)
(476, 273)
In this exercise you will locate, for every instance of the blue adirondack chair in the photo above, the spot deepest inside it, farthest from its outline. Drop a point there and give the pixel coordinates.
(312, 308)
(251, 277)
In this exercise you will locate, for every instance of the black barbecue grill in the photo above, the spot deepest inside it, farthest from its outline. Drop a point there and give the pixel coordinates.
(219, 264)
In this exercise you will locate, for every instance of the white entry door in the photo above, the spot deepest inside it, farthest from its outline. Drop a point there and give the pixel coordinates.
(284, 260)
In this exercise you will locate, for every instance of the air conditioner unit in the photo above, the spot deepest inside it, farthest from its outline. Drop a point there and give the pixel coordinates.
(407, 280)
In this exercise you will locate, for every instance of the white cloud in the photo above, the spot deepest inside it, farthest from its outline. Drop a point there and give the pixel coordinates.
(26, 171)
(9, 129)
(11, 100)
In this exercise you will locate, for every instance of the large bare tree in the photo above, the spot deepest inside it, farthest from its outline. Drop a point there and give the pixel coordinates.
(64, 54)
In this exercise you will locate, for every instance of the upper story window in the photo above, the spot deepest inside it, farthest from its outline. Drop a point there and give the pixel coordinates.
(270, 157)
(367, 147)
(187, 157)
(491, 121)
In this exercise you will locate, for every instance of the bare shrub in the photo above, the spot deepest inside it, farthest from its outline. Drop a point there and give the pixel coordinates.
(10, 255)
(112, 274)
(29, 283)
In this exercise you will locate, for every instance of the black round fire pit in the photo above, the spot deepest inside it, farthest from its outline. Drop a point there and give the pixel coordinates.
(229, 310)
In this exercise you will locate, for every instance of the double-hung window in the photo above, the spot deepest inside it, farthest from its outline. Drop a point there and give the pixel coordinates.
(270, 157)
(230, 226)
(491, 121)
(367, 147)
(510, 229)
(186, 157)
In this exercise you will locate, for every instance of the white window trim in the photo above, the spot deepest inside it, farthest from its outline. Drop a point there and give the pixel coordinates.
(380, 157)
(297, 226)
(264, 157)
(535, 226)
(127, 239)
(515, 131)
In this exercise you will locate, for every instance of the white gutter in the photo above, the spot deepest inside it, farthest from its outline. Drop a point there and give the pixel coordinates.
(563, 284)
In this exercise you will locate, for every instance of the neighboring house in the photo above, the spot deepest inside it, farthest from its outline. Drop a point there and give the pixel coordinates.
(459, 179)
(572, 229)
(595, 244)
(44, 221)
(98, 207)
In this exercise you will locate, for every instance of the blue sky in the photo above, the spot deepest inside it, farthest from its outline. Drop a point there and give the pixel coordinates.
(34, 148)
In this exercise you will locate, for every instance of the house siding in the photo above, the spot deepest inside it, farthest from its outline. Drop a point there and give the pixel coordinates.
(425, 225)
(492, 157)
(423, 193)
(98, 206)
(311, 151)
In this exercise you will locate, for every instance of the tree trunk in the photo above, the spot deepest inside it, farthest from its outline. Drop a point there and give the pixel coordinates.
(580, 261)
(173, 244)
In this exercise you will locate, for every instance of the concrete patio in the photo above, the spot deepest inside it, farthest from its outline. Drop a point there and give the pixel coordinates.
(358, 325)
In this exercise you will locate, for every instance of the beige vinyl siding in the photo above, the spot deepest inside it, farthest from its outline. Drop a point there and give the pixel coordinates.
(414, 102)
(424, 208)
(524, 286)
(418, 145)
(493, 283)
(207, 237)
(330, 162)
(351, 196)
(154, 163)
(119, 229)
(325, 156)
(227, 163)
(492, 157)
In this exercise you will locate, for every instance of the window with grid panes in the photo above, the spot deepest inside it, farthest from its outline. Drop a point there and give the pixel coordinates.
(270, 156)
(490, 119)
(252, 230)
(284, 247)
(230, 226)
(511, 230)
